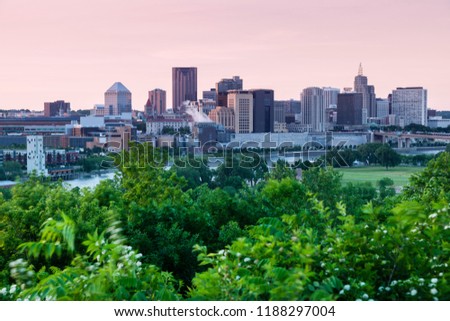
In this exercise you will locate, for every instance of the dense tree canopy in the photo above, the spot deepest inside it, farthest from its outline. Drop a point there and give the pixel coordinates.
(242, 232)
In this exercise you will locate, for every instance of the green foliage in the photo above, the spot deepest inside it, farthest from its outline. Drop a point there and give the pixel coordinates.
(432, 181)
(280, 171)
(54, 236)
(356, 195)
(367, 153)
(109, 270)
(94, 163)
(325, 183)
(257, 236)
(288, 258)
(387, 156)
(11, 171)
(194, 171)
(340, 157)
(386, 187)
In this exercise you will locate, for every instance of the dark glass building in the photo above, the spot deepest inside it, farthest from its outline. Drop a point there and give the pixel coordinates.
(263, 110)
(349, 109)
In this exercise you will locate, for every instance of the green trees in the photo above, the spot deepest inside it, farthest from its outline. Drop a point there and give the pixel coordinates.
(11, 171)
(289, 258)
(387, 156)
(433, 181)
(367, 153)
(107, 270)
(262, 239)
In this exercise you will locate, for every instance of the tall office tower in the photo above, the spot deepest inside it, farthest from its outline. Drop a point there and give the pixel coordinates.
(157, 100)
(390, 103)
(57, 108)
(117, 100)
(223, 116)
(369, 98)
(349, 109)
(35, 155)
(263, 111)
(279, 111)
(330, 97)
(224, 85)
(382, 108)
(409, 105)
(184, 86)
(210, 94)
(313, 111)
(241, 102)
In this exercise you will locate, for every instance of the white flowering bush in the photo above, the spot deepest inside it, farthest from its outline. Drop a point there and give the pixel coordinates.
(110, 270)
(405, 257)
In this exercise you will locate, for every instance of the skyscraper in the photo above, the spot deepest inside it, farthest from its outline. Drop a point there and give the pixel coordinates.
(157, 100)
(313, 111)
(349, 109)
(224, 85)
(382, 108)
(117, 100)
(184, 86)
(242, 104)
(369, 98)
(279, 111)
(57, 108)
(409, 105)
(263, 110)
(330, 97)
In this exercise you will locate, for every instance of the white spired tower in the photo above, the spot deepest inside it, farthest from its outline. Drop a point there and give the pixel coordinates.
(35, 155)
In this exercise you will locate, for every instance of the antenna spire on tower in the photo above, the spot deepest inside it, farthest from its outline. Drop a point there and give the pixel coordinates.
(360, 70)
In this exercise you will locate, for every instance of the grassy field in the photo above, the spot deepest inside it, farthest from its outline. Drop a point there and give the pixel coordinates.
(399, 175)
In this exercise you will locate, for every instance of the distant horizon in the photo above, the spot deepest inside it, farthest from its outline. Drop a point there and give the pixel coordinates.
(53, 50)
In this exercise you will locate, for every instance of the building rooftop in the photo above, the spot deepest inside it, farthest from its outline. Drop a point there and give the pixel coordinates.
(118, 87)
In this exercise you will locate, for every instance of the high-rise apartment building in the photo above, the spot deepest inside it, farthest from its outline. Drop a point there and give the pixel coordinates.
(156, 104)
(263, 110)
(117, 100)
(56, 108)
(242, 104)
(36, 155)
(349, 109)
(369, 99)
(313, 111)
(184, 86)
(224, 85)
(409, 105)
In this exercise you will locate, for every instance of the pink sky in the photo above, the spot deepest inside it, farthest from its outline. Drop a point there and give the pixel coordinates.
(75, 50)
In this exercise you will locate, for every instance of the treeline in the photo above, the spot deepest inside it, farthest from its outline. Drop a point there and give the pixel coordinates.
(238, 233)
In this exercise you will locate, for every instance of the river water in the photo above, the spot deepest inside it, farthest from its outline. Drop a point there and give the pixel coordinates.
(89, 182)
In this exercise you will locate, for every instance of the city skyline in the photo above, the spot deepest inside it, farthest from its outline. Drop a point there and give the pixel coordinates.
(70, 51)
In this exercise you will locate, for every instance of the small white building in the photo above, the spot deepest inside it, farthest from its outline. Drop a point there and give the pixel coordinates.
(36, 155)
(155, 126)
